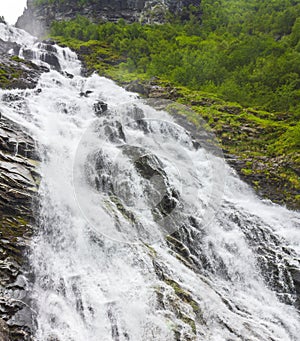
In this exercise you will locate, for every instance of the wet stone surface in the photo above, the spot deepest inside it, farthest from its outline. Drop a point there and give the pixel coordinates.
(18, 187)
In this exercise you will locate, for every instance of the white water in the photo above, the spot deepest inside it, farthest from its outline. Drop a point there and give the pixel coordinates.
(94, 280)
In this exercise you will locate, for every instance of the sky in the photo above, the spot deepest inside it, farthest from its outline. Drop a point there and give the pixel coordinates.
(12, 9)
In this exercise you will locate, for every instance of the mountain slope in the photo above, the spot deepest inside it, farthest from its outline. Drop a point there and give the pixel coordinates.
(39, 14)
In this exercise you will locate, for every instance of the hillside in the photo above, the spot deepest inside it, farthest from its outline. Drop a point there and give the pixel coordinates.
(242, 78)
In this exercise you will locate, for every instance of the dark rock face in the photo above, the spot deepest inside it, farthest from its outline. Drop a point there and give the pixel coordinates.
(48, 55)
(100, 108)
(18, 73)
(19, 180)
(37, 19)
(18, 187)
(4, 333)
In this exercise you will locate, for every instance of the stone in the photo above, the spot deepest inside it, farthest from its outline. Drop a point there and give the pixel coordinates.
(85, 93)
(52, 60)
(137, 86)
(18, 73)
(18, 188)
(4, 332)
(100, 107)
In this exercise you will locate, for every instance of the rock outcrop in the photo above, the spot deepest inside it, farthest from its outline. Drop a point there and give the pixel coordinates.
(18, 187)
(18, 73)
(19, 180)
(39, 15)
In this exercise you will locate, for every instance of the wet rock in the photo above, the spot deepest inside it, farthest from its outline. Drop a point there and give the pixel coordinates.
(18, 73)
(114, 133)
(167, 204)
(48, 55)
(48, 47)
(295, 273)
(52, 60)
(201, 137)
(4, 331)
(69, 75)
(6, 46)
(152, 169)
(138, 119)
(149, 166)
(100, 108)
(85, 93)
(8, 97)
(137, 113)
(279, 264)
(18, 187)
(28, 54)
(49, 41)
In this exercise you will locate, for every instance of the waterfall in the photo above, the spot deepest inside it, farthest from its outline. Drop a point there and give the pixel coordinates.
(140, 235)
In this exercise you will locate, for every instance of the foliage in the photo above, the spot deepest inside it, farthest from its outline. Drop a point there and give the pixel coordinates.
(245, 51)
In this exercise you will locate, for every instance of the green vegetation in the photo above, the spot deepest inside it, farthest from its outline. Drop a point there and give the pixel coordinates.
(245, 53)
(8, 75)
(185, 297)
(14, 71)
(266, 144)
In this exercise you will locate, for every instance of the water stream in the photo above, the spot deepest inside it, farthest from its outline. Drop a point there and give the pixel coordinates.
(140, 235)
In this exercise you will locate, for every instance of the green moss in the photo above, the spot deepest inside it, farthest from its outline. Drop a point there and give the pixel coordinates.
(14, 227)
(9, 73)
(247, 171)
(17, 59)
(187, 320)
(184, 295)
(127, 214)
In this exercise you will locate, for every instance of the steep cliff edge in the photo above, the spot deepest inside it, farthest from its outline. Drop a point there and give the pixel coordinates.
(39, 14)
(18, 187)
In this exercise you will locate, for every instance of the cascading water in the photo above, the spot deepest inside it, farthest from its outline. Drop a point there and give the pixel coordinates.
(139, 236)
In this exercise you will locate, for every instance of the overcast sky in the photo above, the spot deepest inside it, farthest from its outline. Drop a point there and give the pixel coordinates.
(12, 9)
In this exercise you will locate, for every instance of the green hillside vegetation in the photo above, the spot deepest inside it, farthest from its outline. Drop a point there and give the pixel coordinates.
(246, 53)
(240, 52)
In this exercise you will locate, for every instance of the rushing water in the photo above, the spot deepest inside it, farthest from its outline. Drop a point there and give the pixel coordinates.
(140, 235)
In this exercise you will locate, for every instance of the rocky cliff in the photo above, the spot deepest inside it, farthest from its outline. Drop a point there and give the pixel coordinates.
(39, 15)
(18, 186)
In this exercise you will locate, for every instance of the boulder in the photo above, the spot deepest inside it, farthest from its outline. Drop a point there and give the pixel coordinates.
(100, 108)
